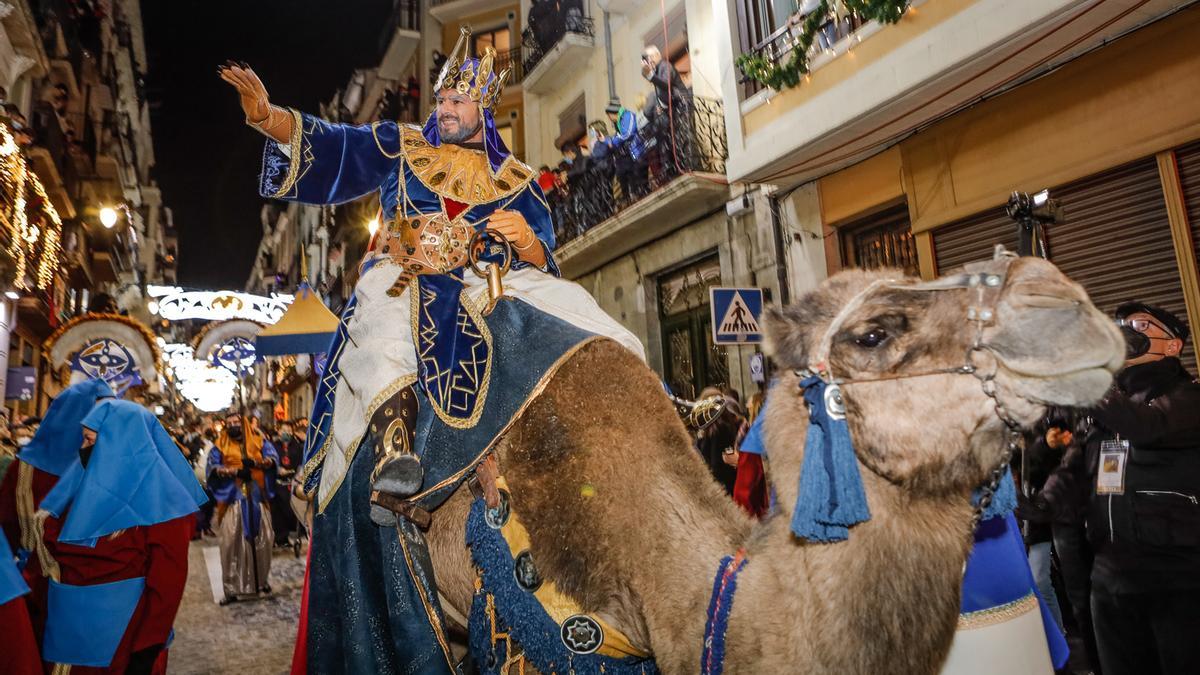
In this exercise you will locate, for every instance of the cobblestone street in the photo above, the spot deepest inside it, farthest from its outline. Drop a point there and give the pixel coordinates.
(245, 638)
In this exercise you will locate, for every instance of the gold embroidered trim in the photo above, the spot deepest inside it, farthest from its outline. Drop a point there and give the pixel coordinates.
(385, 153)
(475, 312)
(25, 507)
(294, 158)
(997, 615)
(460, 174)
(430, 614)
(387, 393)
(533, 395)
(558, 605)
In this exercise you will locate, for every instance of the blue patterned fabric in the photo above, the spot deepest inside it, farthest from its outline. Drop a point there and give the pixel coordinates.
(720, 604)
(131, 480)
(453, 349)
(55, 446)
(520, 614)
(998, 573)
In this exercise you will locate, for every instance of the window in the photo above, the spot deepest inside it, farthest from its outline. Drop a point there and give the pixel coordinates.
(884, 239)
(498, 38)
(572, 123)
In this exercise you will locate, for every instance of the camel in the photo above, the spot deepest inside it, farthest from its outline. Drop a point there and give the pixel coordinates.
(624, 517)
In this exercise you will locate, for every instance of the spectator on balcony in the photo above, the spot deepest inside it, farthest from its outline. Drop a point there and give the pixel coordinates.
(669, 89)
(59, 99)
(628, 150)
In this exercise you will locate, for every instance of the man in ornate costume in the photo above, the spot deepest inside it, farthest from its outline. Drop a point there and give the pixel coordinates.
(241, 476)
(414, 357)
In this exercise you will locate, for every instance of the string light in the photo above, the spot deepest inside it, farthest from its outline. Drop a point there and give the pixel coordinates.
(36, 244)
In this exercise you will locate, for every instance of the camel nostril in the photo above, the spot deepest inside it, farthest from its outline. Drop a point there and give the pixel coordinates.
(1046, 295)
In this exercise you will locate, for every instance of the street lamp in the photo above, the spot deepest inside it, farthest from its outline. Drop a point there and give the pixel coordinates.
(373, 226)
(108, 217)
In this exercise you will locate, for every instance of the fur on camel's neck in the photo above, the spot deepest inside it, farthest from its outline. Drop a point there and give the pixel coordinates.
(643, 550)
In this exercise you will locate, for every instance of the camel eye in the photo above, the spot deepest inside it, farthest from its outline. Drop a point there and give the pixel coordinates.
(872, 338)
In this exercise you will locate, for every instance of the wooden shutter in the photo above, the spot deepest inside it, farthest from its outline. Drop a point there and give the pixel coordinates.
(883, 239)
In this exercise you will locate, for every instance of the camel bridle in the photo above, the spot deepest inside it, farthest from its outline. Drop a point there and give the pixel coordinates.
(986, 280)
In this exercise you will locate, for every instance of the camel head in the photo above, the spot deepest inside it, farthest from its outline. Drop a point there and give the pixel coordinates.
(897, 343)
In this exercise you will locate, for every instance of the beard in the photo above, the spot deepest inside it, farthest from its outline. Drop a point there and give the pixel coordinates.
(462, 135)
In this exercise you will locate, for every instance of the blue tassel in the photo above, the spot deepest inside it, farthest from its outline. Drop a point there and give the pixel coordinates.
(831, 497)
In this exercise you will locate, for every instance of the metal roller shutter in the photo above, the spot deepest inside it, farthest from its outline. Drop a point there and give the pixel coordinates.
(973, 238)
(1115, 239)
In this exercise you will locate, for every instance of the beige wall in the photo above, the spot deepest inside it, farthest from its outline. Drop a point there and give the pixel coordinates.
(1129, 100)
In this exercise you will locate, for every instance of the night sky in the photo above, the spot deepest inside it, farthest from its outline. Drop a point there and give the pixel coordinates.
(207, 158)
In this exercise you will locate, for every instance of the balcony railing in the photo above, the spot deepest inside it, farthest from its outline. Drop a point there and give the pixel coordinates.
(694, 142)
(511, 59)
(549, 24)
(777, 45)
(406, 15)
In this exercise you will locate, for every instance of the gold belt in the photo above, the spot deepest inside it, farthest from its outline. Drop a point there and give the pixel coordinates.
(427, 244)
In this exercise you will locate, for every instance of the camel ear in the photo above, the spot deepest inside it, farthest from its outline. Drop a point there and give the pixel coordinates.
(787, 337)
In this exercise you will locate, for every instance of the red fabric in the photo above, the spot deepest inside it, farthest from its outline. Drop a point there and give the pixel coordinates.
(453, 208)
(38, 585)
(546, 181)
(18, 646)
(300, 653)
(750, 489)
(158, 552)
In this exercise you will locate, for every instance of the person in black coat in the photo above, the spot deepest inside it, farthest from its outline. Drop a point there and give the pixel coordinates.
(1136, 478)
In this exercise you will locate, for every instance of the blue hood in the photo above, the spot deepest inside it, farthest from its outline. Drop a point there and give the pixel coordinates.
(55, 446)
(136, 476)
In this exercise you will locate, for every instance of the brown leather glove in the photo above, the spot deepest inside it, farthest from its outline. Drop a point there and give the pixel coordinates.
(273, 121)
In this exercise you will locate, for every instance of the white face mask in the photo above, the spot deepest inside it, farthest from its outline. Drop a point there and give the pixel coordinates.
(23, 441)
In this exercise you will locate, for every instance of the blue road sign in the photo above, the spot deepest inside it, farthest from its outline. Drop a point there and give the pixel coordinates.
(736, 315)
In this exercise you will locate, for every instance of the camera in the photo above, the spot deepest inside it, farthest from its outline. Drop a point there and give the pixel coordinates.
(1038, 207)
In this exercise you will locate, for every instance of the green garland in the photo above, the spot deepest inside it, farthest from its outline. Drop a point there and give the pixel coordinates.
(787, 74)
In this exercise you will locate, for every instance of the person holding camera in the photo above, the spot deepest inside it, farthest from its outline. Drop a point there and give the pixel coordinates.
(241, 475)
(1136, 475)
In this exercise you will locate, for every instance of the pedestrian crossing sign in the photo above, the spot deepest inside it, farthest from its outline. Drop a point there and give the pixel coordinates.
(736, 315)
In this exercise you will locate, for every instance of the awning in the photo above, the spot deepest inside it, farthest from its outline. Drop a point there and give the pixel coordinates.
(307, 327)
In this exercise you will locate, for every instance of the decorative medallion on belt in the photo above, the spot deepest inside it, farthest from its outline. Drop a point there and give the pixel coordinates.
(582, 634)
(496, 518)
(525, 572)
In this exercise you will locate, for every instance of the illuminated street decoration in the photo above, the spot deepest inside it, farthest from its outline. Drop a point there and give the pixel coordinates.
(208, 387)
(108, 360)
(179, 305)
(117, 349)
(236, 354)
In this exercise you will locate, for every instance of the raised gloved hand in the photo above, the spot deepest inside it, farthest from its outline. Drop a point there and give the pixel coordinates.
(272, 121)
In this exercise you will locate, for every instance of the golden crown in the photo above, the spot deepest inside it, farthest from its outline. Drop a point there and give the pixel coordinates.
(473, 77)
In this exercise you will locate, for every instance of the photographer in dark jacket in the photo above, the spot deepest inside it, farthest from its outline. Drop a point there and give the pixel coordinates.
(1139, 476)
